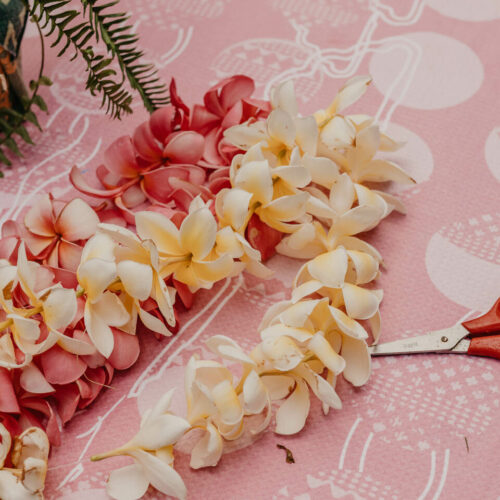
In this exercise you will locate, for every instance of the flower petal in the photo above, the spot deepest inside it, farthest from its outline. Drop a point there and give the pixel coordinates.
(214, 270)
(159, 431)
(126, 350)
(323, 170)
(281, 128)
(321, 388)
(287, 208)
(163, 477)
(69, 255)
(338, 133)
(77, 221)
(278, 386)
(137, 278)
(254, 394)
(325, 353)
(282, 352)
(292, 414)
(307, 134)
(40, 218)
(364, 265)
(61, 367)
(153, 323)
(32, 380)
(197, 233)
(59, 308)
(296, 176)
(95, 275)
(283, 96)
(330, 268)
(245, 136)
(128, 483)
(155, 226)
(360, 303)
(100, 246)
(351, 92)
(184, 147)
(382, 171)
(255, 177)
(120, 158)
(348, 325)
(208, 450)
(232, 206)
(358, 361)
(145, 143)
(228, 349)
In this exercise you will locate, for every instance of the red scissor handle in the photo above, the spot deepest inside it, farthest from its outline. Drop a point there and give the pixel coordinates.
(485, 324)
(485, 346)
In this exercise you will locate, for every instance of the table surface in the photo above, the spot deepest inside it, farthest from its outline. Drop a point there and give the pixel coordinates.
(424, 427)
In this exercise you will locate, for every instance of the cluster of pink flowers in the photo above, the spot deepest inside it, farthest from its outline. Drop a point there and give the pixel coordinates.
(180, 153)
(174, 157)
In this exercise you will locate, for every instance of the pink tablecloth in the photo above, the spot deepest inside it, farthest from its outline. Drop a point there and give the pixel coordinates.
(436, 74)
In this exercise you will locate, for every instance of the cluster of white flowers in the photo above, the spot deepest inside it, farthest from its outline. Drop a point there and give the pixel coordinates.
(303, 176)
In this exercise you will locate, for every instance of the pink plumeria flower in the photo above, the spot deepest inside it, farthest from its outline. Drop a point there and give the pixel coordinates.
(54, 230)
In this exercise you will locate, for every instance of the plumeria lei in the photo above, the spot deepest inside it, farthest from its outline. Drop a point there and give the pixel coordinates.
(194, 196)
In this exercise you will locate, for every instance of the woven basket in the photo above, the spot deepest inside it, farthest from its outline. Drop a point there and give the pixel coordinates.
(13, 15)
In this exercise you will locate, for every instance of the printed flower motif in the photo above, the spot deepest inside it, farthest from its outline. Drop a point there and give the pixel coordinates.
(152, 450)
(187, 252)
(52, 230)
(103, 308)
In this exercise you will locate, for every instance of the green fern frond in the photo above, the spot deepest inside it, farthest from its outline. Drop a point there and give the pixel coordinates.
(55, 17)
(112, 28)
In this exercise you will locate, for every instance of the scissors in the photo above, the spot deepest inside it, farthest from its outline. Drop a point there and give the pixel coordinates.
(475, 337)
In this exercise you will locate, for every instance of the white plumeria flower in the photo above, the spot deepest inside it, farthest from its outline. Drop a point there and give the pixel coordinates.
(56, 305)
(348, 210)
(308, 316)
(152, 450)
(326, 275)
(351, 91)
(330, 270)
(138, 268)
(358, 159)
(103, 309)
(217, 406)
(30, 451)
(282, 131)
(186, 253)
(282, 213)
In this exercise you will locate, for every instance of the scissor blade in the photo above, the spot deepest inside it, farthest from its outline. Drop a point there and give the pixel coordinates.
(436, 341)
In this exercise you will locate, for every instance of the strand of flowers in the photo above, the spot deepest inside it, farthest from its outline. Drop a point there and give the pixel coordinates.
(293, 175)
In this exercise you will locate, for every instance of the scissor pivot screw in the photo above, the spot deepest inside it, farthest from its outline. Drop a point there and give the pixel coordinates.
(444, 339)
